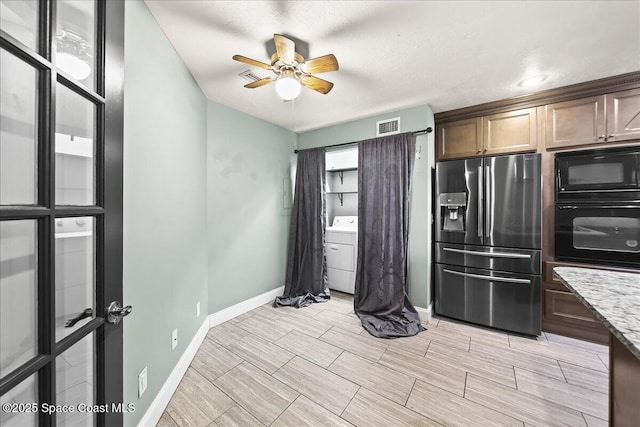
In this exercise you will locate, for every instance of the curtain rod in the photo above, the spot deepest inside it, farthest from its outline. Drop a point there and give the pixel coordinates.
(415, 132)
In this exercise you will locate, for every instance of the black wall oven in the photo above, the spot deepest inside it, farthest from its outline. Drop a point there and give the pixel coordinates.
(597, 213)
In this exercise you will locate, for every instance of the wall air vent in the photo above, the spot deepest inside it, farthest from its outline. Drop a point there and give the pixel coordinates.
(250, 76)
(388, 127)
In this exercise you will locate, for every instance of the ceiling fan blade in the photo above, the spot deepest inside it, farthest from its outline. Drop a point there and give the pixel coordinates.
(322, 64)
(259, 83)
(251, 62)
(316, 84)
(285, 48)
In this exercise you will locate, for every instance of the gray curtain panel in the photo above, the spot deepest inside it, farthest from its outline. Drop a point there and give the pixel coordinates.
(380, 300)
(306, 278)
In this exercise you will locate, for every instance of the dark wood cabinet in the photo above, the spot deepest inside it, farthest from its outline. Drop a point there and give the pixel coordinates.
(510, 132)
(563, 306)
(624, 385)
(459, 139)
(501, 133)
(564, 314)
(575, 122)
(613, 117)
(623, 115)
(562, 311)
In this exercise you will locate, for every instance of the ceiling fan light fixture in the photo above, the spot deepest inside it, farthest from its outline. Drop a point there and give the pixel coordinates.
(291, 70)
(74, 66)
(288, 87)
(72, 54)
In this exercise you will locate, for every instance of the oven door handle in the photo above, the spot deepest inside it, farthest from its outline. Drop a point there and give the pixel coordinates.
(563, 207)
(490, 278)
(487, 254)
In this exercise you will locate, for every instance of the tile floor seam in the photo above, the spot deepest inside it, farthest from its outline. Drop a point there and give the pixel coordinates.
(585, 419)
(533, 396)
(410, 391)
(408, 409)
(350, 400)
(472, 401)
(226, 394)
(172, 419)
(285, 409)
(311, 361)
(554, 403)
(355, 383)
(464, 389)
(244, 407)
(562, 371)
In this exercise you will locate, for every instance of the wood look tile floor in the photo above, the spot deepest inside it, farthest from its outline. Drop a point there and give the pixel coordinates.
(317, 366)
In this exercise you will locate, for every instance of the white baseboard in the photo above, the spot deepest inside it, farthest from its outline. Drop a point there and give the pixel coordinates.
(159, 404)
(425, 313)
(244, 306)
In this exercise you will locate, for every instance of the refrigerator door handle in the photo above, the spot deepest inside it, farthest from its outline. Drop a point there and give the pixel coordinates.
(563, 207)
(488, 254)
(480, 197)
(488, 212)
(490, 278)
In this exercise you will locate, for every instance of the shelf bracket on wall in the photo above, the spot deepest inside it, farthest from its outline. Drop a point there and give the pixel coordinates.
(340, 196)
(341, 175)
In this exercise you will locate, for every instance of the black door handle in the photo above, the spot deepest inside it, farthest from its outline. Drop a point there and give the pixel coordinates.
(88, 312)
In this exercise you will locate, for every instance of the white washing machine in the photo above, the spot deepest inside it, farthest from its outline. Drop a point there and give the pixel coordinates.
(341, 248)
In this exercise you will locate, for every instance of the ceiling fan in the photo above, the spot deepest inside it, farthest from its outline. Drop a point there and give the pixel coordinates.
(291, 70)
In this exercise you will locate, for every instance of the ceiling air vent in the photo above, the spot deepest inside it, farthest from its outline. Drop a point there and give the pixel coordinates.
(388, 127)
(249, 76)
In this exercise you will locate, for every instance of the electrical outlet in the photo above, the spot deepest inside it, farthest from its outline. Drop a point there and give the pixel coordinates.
(142, 382)
(174, 339)
(198, 309)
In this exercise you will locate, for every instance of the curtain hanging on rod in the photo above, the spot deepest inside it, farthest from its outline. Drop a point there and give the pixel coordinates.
(380, 300)
(306, 276)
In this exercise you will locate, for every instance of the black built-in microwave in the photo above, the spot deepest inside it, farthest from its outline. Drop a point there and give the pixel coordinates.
(598, 175)
(597, 213)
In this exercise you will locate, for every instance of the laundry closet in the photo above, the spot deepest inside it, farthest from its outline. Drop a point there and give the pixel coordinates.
(341, 240)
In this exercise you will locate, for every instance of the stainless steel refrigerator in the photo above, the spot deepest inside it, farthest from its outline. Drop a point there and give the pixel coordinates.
(488, 241)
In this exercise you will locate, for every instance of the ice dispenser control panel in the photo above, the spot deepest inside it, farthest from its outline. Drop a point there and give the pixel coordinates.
(453, 207)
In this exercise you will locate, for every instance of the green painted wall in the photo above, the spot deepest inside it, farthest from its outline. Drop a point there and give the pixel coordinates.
(417, 118)
(247, 162)
(410, 119)
(165, 248)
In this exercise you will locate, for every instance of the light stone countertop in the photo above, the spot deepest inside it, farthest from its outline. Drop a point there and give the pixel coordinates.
(613, 297)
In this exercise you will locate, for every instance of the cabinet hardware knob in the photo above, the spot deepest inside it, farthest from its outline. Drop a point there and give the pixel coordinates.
(601, 137)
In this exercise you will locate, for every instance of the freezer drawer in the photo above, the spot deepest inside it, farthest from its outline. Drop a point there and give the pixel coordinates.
(509, 301)
(488, 257)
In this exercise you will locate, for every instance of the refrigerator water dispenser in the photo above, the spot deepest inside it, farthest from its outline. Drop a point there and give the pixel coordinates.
(453, 211)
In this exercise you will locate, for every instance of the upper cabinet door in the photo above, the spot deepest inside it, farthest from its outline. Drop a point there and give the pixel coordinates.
(623, 115)
(575, 122)
(459, 139)
(511, 132)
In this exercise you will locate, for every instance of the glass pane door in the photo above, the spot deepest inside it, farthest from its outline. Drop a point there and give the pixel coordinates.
(53, 217)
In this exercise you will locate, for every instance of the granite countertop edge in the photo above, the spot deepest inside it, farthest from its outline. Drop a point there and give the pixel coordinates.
(632, 345)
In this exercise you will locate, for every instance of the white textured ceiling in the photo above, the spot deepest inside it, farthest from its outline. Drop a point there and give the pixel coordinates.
(399, 54)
